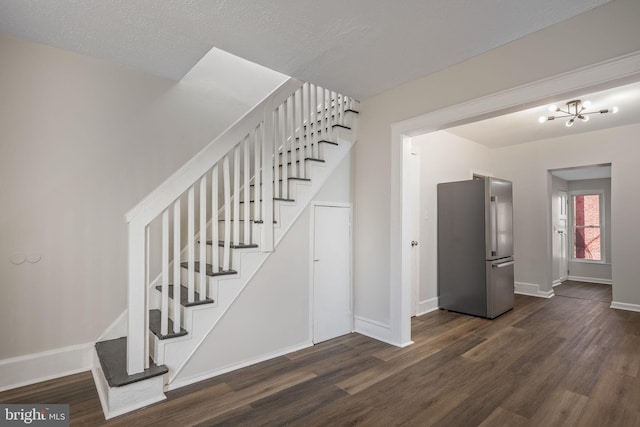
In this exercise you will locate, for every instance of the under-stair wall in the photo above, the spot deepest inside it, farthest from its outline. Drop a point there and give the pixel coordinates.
(271, 317)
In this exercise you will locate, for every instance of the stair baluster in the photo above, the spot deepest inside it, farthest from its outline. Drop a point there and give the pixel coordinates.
(215, 217)
(285, 146)
(177, 289)
(164, 319)
(298, 156)
(246, 191)
(313, 122)
(226, 264)
(256, 180)
(202, 289)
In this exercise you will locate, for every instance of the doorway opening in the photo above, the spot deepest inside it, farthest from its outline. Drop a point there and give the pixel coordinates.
(580, 228)
(604, 75)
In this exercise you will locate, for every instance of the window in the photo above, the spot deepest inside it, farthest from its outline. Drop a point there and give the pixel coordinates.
(587, 231)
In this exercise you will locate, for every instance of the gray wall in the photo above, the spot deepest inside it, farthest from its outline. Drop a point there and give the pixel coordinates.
(82, 141)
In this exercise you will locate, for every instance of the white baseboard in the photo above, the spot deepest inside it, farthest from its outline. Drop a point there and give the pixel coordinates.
(556, 283)
(427, 306)
(532, 290)
(34, 368)
(625, 306)
(591, 280)
(372, 329)
(206, 375)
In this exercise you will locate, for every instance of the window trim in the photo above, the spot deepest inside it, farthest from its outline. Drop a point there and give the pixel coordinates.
(603, 254)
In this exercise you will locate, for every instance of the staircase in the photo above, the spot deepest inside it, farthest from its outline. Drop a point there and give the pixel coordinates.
(197, 240)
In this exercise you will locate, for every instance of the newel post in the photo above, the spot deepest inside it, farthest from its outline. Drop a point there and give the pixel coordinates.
(137, 299)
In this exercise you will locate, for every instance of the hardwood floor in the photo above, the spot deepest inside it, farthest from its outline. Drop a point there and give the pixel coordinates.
(565, 361)
(584, 290)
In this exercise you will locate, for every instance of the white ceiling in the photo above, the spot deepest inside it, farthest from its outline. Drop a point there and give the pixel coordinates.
(359, 47)
(523, 126)
(586, 172)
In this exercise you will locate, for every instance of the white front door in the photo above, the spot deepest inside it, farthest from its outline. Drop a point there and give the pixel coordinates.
(562, 229)
(332, 308)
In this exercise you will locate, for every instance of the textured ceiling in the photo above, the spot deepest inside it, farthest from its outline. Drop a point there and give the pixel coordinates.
(359, 47)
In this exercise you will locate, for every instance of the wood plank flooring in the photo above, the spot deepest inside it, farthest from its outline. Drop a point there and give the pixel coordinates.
(565, 361)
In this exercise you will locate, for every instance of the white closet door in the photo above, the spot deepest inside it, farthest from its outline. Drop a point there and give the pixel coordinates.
(332, 308)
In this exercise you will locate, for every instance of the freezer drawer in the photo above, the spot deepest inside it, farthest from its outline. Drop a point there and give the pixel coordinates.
(500, 287)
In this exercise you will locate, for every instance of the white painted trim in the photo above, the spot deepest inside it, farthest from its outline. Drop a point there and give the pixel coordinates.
(556, 283)
(374, 329)
(603, 226)
(625, 306)
(613, 70)
(117, 329)
(532, 290)
(427, 306)
(591, 280)
(34, 368)
(232, 367)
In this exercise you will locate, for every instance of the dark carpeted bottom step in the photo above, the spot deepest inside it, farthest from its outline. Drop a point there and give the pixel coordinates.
(184, 296)
(154, 325)
(113, 360)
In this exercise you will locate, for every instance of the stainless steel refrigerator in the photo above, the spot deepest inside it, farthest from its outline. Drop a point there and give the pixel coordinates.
(475, 247)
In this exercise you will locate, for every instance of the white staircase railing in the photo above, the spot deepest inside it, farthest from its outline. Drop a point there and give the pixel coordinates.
(205, 208)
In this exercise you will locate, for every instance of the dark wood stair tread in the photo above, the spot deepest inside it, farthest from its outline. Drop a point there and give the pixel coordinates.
(210, 271)
(310, 159)
(154, 325)
(113, 360)
(329, 142)
(232, 246)
(184, 296)
(275, 199)
(322, 141)
(254, 221)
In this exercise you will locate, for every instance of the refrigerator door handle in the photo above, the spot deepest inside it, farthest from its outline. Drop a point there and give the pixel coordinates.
(503, 264)
(494, 225)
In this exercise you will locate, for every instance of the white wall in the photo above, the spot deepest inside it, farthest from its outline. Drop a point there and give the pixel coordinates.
(81, 142)
(581, 270)
(527, 165)
(613, 31)
(272, 314)
(444, 157)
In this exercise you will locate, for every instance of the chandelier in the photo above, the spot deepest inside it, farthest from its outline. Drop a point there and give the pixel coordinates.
(575, 110)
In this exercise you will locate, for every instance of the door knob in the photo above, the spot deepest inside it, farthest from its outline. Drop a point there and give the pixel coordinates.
(414, 243)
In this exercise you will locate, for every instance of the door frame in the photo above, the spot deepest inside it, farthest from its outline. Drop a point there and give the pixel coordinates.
(599, 76)
(312, 223)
